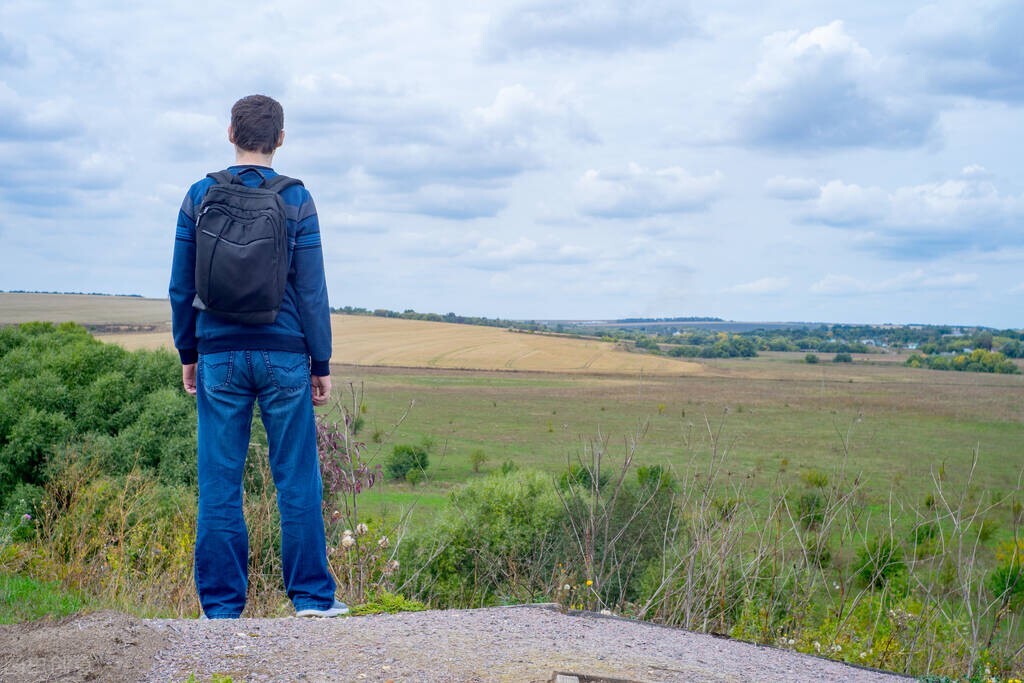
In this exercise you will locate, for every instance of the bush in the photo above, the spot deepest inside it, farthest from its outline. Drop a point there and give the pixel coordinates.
(405, 458)
(811, 509)
(477, 459)
(32, 440)
(581, 477)
(880, 561)
(810, 358)
(842, 357)
(63, 388)
(498, 541)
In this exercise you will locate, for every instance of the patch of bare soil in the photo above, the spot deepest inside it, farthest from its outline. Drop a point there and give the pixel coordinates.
(105, 646)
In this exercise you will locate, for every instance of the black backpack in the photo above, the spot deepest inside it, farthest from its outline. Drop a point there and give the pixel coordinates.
(242, 249)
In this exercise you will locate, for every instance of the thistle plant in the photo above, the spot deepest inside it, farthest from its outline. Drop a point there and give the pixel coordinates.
(361, 561)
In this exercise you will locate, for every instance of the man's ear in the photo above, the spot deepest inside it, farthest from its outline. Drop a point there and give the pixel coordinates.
(231, 134)
(280, 139)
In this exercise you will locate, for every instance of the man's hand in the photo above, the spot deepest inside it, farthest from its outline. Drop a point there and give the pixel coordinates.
(188, 378)
(321, 389)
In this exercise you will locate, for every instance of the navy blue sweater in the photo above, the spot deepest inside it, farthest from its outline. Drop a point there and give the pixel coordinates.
(304, 322)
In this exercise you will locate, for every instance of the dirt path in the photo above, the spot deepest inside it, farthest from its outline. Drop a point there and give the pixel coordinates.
(520, 644)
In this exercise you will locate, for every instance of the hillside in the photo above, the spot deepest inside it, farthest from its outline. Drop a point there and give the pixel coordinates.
(362, 340)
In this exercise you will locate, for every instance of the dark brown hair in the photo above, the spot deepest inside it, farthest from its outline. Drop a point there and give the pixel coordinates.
(257, 122)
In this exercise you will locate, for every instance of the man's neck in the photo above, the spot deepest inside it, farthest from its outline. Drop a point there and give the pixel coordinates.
(246, 158)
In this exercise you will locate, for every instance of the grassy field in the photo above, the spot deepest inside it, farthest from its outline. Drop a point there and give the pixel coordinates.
(900, 425)
(537, 401)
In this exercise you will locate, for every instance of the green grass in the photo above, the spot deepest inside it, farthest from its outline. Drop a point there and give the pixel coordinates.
(25, 599)
(901, 424)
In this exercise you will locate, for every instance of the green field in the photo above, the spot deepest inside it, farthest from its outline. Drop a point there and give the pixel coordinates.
(796, 486)
(775, 416)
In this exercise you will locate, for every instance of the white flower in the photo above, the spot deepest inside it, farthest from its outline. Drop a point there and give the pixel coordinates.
(383, 542)
(347, 541)
(566, 587)
(606, 612)
(817, 646)
(361, 529)
(346, 532)
(791, 642)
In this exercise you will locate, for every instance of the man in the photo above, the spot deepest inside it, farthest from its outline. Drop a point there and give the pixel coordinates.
(284, 365)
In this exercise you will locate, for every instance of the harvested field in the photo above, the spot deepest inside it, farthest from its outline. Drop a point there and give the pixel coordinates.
(391, 342)
(360, 340)
(95, 311)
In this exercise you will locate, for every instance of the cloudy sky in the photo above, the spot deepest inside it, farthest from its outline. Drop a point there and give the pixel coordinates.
(829, 161)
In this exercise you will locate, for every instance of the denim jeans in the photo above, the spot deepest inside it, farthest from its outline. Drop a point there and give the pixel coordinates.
(228, 384)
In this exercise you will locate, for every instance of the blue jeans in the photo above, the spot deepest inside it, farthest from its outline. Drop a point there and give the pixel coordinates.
(228, 384)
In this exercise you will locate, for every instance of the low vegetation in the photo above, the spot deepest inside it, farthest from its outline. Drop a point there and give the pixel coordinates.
(767, 518)
(978, 360)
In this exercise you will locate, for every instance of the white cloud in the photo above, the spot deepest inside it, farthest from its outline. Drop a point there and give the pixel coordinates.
(640, 192)
(765, 285)
(447, 201)
(920, 221)
(971, 49)
(517, 112)
(916, 280)
(781, 187)
(36, 120)
(594, 26)
(822, 89)
(841, 204)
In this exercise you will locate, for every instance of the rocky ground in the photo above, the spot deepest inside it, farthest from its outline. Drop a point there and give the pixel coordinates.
(528, 643)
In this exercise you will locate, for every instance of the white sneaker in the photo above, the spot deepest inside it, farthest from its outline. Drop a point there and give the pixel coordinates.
(335, 610)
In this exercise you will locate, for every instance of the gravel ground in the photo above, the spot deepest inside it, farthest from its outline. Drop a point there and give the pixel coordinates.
(526, 643)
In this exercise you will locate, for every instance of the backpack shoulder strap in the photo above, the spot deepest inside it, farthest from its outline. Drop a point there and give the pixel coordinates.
(280, 183)
(224, 177)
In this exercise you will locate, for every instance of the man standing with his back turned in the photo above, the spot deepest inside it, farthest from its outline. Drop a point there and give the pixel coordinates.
(280, 360)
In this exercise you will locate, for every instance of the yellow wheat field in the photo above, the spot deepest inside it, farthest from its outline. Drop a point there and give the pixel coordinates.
(393, 342)
(363, 340)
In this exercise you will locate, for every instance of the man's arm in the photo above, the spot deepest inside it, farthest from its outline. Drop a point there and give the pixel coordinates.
(182, 289)
(311, 290)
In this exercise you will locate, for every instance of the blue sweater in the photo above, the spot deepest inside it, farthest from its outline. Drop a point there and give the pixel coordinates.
(304, 322)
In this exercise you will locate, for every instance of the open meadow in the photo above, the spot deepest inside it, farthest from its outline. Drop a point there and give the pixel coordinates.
(866, 505)
(535, 400)
(538, 401)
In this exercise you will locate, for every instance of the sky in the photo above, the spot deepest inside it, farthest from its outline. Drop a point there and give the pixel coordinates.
(835, 161)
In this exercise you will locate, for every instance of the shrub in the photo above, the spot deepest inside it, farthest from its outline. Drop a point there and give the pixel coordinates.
(405, 458)
(810, 509)
(811, 358)
(879, 561)
(162, 438)
(655, 477)
(498, 540)
(815, 478)
(842, 357)
(477, 459)
(32, 440)
(581, 477)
